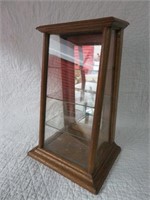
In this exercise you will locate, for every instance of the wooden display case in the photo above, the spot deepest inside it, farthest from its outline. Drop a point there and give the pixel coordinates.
(79, 93)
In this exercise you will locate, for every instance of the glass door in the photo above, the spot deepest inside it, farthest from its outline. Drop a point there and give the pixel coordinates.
(73, 68)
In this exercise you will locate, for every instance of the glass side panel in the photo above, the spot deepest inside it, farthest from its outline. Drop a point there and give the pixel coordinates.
(73, 68)
(106, 109)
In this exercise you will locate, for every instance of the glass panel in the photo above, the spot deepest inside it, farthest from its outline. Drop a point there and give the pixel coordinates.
(105, 119)
(71, 88)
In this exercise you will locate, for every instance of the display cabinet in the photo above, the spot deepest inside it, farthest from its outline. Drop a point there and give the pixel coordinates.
(79, 93)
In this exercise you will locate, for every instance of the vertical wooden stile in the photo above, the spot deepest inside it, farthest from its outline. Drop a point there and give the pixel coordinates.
(99, 98)
(116, 78)
(43, 88)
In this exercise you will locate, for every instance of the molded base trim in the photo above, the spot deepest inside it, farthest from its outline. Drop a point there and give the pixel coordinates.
(92, 182)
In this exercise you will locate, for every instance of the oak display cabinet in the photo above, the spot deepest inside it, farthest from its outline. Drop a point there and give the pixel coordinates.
(79, 91)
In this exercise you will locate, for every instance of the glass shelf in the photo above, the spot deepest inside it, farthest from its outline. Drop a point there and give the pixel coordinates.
(57, 121)
(84, 97)
(93, 71)
(78, 102)
(78, 122)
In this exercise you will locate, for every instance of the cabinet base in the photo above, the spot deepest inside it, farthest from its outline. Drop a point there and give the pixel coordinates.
(92, 182)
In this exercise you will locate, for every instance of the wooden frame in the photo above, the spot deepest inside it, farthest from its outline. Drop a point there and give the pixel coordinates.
(93, 177)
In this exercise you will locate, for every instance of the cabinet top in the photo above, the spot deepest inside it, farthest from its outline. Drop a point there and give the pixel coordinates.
(85, 26)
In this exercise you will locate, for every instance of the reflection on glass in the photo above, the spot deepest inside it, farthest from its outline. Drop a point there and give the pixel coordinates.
(71, 89)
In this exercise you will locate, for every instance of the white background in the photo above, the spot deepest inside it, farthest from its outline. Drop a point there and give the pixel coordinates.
(20, 70)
